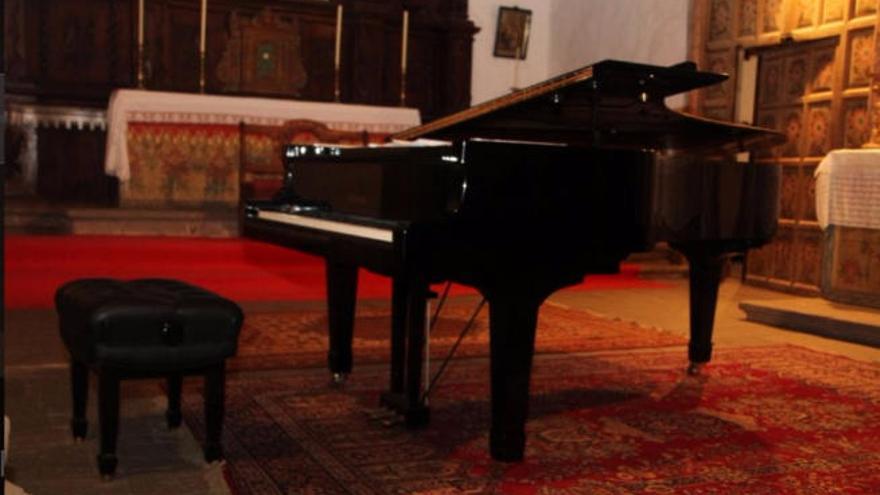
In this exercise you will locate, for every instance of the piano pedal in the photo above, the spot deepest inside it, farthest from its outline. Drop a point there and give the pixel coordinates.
(379, 414)
(394, 420)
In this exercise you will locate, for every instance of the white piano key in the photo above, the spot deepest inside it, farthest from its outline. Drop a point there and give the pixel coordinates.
(362, 231)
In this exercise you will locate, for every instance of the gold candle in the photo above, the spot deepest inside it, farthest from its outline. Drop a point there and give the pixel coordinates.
(202, 27)
(140, 22)
(403, 41)
(338, 52)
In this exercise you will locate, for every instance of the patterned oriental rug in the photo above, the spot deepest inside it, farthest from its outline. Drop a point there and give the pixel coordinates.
(298, 339)
(762, 420)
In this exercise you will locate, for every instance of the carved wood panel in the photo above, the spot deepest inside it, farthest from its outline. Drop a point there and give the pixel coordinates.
(76, 48)
(77, 51)
(815, 90)
(68, 169)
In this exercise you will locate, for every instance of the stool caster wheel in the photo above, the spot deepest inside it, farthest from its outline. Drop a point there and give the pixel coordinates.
(213, 452)
(79, 427)
(107, 465)
(173, 418)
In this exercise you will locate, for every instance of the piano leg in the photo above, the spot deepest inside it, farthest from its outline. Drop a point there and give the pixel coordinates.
(399, 298)
(512, 323)
(408, 307)
(417, 413)
(706, 266)
(341, 296)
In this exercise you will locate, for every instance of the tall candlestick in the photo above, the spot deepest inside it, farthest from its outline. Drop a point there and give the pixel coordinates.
(516, 69)
(338, 52)
(403, 43)
(140, 22)
(404, 35)
(337, 56)
(140, 45)
(202, 26)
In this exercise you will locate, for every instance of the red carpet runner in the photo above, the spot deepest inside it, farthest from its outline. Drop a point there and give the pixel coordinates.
(240, 269)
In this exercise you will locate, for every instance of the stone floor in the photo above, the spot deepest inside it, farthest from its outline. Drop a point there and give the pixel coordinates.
(153, 460)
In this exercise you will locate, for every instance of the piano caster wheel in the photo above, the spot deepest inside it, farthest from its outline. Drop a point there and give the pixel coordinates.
(338, 379)
(694, 369)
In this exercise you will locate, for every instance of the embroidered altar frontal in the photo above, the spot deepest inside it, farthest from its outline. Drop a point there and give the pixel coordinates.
(851, 270)
(181, 149)
(182, 164)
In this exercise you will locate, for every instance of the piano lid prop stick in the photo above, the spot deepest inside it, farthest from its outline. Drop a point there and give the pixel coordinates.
(338, 51)
(202, 31)
(403, 47)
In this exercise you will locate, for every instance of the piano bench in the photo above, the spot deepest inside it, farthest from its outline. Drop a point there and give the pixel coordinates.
(145, 328)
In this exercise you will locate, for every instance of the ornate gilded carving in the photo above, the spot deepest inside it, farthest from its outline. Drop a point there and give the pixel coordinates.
(263, 55)
(833, 10)
(748, 18)
(860, 58)
(858, 129)
(719, 22)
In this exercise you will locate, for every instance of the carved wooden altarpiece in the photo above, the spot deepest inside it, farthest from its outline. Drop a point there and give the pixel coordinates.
(263, 55)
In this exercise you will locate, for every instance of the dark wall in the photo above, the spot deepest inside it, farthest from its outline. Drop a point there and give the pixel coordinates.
(77, 51)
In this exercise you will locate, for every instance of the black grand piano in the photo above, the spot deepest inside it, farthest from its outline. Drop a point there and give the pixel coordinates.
(522, 196)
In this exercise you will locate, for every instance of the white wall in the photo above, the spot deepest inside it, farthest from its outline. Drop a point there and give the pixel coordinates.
(494, 76)
(647, 31)
(568, 34)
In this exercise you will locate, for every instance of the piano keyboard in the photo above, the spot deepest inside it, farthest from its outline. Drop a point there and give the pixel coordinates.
(361, 231)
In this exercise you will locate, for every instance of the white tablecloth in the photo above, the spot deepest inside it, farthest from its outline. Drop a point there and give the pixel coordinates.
(848, 189)
(128, 105)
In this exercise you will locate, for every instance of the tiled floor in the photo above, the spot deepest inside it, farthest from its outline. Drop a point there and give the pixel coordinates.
(153, 460)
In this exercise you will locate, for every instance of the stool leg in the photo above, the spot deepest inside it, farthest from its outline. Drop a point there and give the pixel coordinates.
(108, 417)
(215, 384)
(79, 386)
(175, 382)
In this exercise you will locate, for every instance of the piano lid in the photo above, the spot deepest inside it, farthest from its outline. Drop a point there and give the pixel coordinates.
(610, 104)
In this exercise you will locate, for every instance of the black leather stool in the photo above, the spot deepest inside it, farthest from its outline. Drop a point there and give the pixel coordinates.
(145, 328)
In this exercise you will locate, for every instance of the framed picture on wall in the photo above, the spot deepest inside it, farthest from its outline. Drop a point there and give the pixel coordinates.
(512, 32)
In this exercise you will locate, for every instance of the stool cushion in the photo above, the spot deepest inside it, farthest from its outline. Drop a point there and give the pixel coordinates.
(146, 324)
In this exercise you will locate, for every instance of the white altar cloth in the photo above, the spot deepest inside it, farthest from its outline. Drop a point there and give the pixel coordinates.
(130, 105)
(848, 189)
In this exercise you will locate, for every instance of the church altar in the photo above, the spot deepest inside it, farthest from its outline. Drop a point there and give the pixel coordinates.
(848, 209)
(171, 149)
